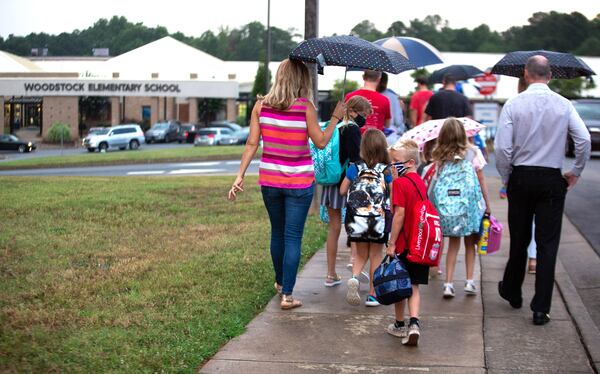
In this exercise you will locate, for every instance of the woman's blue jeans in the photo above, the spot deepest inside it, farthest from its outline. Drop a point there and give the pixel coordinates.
(288, 209)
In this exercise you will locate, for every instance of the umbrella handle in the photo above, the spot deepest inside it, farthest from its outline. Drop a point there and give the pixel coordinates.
(344, 85)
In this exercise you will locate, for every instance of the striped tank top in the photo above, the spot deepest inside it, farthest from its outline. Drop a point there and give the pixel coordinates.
(285, 161)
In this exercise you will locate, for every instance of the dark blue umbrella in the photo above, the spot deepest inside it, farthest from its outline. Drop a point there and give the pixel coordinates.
(417, 51)
(563, 65)
(458, 72)
(351, 52)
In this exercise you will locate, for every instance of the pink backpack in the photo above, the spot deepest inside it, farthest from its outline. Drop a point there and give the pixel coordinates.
(495, 236)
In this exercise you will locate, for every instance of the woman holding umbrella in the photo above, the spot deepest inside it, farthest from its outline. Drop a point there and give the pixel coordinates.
(285, 118)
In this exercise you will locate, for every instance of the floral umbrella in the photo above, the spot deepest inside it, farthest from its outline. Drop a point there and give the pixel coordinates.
(431, 130)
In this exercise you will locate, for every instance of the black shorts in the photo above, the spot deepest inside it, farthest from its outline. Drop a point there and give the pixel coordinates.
(377, 241)
(419, 274)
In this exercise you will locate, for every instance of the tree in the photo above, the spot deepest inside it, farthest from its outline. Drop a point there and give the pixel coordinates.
(571, 88)
(259, 81)
(367, 30)
(208, 109)
(338, 88)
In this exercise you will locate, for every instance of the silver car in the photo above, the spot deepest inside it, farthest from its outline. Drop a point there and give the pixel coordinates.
(121, 137)
(215, 136)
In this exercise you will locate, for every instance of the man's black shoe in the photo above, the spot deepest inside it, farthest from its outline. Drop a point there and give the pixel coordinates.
(540, 318)
(517, 304)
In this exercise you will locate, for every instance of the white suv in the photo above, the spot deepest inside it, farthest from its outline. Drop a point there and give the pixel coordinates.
(121, 137)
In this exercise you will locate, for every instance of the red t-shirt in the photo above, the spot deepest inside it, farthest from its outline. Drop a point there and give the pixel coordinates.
(381, 108)
(417, 103)
(405, 195)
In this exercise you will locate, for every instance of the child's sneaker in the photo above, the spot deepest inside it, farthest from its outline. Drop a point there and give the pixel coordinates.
(399, 332)
(333, 280)
(371, 301)
(352, 296)
(363, 277)
(470, 288)
(448, 290)
(412, 338)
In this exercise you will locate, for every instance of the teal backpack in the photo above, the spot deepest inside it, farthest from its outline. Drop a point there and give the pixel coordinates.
(326, 161)
(458, 199)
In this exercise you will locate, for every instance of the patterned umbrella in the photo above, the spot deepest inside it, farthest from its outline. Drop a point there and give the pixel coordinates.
(351, 52)
(563, 65)
(459, 72)
(417, 51)
(431, 130)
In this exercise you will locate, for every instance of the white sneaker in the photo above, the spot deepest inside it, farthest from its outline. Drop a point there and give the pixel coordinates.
(470, 288)
(414, 332)
(352, 296)
(399, 332)
(363, 277)
(448, 290)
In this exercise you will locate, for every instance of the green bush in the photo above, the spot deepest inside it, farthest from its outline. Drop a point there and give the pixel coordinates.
(58, 129)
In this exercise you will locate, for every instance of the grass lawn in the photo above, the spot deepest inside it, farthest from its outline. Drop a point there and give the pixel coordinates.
(143, 156)
(130, 274)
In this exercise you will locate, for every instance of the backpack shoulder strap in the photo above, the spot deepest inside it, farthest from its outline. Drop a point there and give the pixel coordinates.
(414, 184)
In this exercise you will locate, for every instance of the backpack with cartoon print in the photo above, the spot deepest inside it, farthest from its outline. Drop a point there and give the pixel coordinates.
(368, 198)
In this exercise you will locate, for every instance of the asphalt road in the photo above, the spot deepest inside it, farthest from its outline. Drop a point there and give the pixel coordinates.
(172, 169)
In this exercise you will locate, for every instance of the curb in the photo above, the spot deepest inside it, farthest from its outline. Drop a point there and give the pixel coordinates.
(586, 328)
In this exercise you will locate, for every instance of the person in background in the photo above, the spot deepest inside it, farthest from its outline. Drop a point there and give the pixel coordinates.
(286, 118)
(530, 151)
(418, 101)
(381, 115)
(447, 102)
(356, 107)
(397, 120)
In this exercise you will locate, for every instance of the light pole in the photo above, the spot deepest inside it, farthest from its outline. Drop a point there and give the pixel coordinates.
(268, 54)
(311, 30)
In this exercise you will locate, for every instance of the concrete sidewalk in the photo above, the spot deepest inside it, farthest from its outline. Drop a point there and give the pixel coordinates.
(467, 334)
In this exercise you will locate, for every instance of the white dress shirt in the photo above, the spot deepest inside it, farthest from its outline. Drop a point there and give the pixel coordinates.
(532, 131)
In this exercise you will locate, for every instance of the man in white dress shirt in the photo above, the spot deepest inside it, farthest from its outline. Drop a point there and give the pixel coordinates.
(530, 148)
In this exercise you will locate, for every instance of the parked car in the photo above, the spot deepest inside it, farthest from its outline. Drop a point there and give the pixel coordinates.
(163, 132)
(120, 137)
(187, 133)
(215, 136)
(242, 135)
(226, 124)
(10, 142)
(589, 111)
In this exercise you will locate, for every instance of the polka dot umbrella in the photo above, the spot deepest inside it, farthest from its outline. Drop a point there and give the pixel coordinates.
(351, 52)
(430, 130)
(563, 65)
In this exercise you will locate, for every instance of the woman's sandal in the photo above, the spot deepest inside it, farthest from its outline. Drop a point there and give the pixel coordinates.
(333, 280)
(278, 289)
(288, 302)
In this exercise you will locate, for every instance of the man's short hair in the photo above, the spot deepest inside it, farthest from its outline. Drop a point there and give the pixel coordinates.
(448, 79)
(421, 80)
(371, 75)
(538, 67)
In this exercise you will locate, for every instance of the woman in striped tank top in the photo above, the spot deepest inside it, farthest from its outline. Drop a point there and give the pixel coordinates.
(286, 118)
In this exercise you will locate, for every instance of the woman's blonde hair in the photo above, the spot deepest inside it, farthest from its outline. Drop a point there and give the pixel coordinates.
(451, 142)
(373, 148)
(292, 81)
(358, 104)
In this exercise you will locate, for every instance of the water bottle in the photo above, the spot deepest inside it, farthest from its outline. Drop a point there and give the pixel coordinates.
(485, 235)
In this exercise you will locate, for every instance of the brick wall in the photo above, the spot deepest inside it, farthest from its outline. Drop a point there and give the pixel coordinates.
(61, 109)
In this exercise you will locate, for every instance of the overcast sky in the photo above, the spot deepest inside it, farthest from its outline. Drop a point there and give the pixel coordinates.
(193, 17)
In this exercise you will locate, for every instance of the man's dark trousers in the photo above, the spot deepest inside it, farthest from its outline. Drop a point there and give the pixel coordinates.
(534, 192)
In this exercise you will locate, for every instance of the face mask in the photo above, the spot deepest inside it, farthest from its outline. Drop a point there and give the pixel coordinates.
(400, 168)
(360, 120)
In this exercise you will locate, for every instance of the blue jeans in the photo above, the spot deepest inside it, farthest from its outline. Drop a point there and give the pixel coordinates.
(288, 209)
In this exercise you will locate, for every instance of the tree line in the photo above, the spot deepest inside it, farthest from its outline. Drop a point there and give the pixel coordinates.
(552, 31)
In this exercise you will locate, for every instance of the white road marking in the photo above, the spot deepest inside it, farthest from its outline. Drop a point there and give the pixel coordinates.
(195, 171)
(150, 172)
(206, 163)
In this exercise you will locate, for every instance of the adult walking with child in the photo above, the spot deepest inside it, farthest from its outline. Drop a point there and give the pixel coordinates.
(286, 118)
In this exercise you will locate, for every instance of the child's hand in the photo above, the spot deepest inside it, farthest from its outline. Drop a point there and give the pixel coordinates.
(238, 185)
(503, 192)
(391, 249)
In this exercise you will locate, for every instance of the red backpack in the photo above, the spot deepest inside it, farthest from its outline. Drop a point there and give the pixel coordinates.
(424, 233)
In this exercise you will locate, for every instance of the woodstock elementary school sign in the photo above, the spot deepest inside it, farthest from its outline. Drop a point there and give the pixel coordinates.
(79, 87)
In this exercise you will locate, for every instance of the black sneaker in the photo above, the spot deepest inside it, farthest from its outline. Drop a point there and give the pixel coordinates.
(540, 318)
